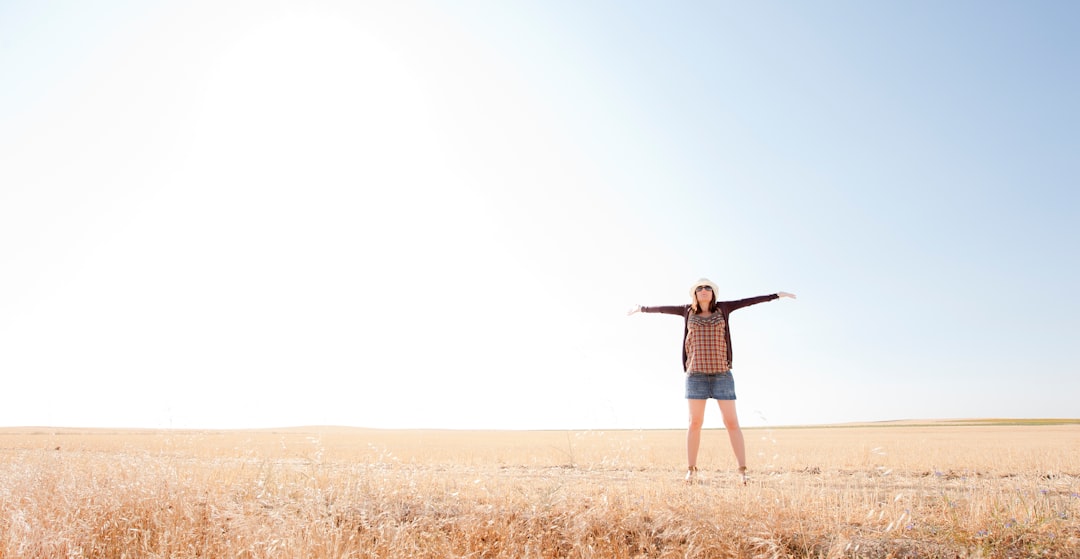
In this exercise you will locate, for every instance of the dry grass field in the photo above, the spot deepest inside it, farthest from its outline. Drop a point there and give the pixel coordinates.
(947, 489)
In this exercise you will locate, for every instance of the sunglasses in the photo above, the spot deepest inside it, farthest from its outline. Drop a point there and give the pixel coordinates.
(701, 288)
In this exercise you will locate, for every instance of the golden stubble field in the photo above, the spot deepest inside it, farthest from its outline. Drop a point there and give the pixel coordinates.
(945, 489)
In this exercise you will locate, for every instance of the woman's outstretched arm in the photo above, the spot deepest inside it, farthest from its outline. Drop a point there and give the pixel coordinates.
(735, 305)
(674, 309)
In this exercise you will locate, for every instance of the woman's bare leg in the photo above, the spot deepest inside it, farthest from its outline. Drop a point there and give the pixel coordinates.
(693, 432)
(734, 432)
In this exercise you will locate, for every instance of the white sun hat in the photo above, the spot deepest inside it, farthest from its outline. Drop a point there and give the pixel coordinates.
(699, 283)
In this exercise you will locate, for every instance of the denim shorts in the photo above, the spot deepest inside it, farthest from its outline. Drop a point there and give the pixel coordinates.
(700, 386)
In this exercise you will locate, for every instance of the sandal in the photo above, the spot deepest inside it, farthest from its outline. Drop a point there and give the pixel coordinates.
(691, 474)
(742, 472)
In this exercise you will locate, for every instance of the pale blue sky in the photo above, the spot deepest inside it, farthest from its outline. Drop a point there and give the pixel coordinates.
(251, 214)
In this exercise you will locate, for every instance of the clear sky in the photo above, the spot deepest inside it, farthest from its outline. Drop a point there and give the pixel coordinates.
(436, 214)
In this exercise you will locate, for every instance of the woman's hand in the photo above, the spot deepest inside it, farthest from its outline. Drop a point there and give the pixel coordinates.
(783, 294)
(636, 309)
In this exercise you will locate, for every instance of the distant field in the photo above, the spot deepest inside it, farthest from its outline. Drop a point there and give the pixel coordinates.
(978, 488)
(955, 422)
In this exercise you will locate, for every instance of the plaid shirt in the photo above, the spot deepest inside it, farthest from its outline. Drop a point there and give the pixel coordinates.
(724, 309)
(706, 344)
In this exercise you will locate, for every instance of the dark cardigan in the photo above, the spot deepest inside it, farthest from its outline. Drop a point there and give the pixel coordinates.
(723, 307)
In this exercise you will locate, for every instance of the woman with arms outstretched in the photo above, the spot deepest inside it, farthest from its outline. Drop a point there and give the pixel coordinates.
(707, 363)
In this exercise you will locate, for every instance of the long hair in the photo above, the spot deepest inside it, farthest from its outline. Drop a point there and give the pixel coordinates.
(696, 308)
